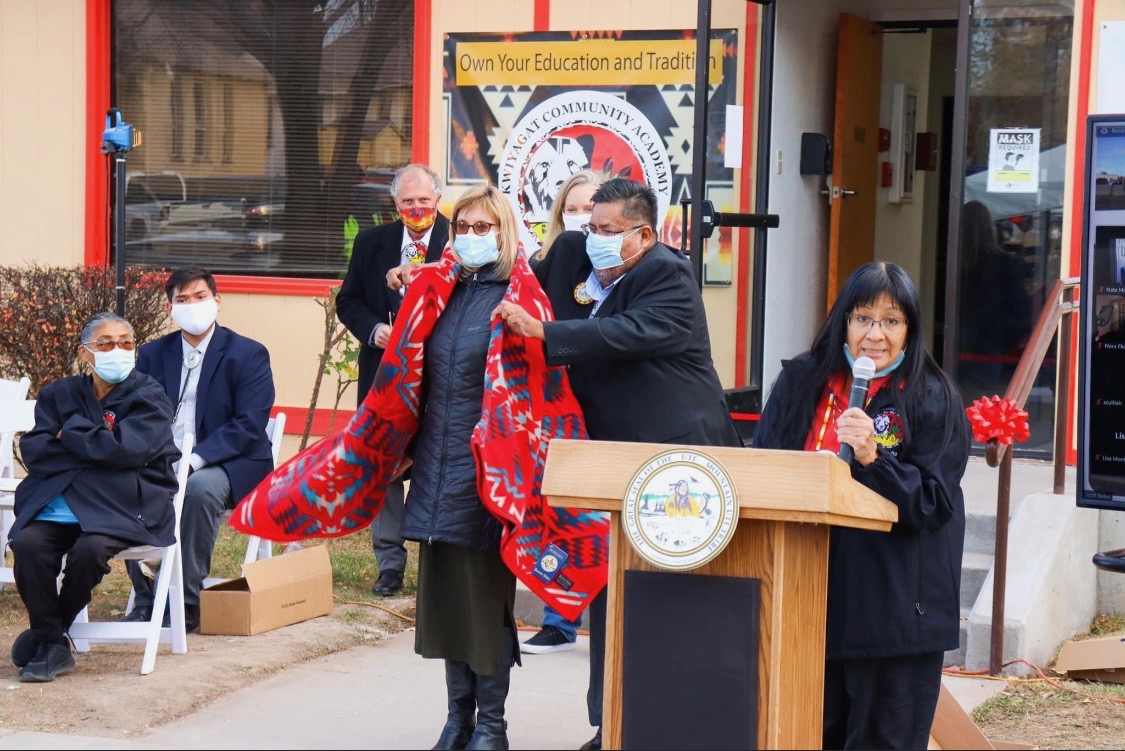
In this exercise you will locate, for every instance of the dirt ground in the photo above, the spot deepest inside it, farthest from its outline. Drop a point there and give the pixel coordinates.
(102, 695)
(1041, 715)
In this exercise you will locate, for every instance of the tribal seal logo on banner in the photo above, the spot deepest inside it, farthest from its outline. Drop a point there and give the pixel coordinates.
(573, 131)
(680, 510)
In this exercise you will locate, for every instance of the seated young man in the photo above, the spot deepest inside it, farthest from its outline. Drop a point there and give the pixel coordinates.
(221, 388)
(99, 480)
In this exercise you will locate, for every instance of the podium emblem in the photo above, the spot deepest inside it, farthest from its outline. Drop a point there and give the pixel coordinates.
(680, 510)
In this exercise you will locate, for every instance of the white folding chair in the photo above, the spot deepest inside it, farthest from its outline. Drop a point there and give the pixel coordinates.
(258, 549)
(16, 416)
(169, 591)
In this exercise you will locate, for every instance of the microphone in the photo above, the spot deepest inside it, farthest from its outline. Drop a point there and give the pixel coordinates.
(862, 372)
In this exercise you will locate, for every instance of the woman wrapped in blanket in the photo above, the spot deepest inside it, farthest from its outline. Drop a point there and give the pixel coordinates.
(465, 591)
(893, 597)
(99, 480)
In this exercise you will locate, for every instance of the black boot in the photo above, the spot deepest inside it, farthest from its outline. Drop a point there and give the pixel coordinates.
(491, 731)
(459, 684)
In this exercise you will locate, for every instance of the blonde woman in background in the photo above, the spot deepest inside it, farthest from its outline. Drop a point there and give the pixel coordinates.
(571, 208)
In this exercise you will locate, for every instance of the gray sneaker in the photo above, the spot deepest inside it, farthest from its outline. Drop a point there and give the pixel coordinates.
(52, 659)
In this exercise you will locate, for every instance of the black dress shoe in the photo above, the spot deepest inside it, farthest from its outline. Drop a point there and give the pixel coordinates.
(594, 744)
(389, 583)
(139, 614)
(191, 618)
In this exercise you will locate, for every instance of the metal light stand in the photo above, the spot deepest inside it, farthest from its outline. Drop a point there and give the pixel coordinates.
(118, 139)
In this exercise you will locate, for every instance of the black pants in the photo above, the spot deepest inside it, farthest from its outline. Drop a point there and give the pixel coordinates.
(39, 549)
(881, 703)
(595, 694)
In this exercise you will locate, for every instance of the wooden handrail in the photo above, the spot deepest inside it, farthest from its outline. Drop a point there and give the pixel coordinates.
(1062, 299)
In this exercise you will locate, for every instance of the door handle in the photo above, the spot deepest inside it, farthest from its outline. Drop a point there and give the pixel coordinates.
(837, 192)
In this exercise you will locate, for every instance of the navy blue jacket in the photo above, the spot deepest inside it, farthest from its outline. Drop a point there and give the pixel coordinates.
(443, 504)
(233, 402)
(364, 300)
(896, 593)
(117, 480)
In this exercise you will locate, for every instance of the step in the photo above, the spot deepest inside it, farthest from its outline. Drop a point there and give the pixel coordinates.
(956, 657)
(974, 569)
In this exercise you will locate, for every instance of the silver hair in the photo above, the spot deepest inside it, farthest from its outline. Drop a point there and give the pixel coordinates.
(101, 319)
(402, 172)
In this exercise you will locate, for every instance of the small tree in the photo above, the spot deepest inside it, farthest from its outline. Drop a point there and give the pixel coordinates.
(43, 310)
(339, 356)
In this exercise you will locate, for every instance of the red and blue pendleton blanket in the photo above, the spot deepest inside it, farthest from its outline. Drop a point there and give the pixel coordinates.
(337, 485)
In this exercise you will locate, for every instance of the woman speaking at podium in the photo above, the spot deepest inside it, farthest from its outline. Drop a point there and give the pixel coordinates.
(893, 597)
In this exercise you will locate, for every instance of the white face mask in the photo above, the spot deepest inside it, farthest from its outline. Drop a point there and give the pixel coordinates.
(574, 222)
(195, 318)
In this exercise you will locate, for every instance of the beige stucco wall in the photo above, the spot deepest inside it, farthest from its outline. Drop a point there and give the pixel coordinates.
(42, 121)
(457, 16)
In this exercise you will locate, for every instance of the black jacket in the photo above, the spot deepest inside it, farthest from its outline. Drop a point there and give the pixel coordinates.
(443, 503)
(364, 300)
(641, 368)
(897, 593)
(117, 480)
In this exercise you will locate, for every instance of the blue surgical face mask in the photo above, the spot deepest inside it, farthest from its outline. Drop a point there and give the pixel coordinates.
(113, 366)
(476, 250)
(605, 250)
(878, 373)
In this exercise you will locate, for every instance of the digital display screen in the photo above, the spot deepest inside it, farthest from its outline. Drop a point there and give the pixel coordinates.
(1101, 409)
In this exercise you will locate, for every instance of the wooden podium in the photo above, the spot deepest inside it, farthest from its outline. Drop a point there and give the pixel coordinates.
(787, 501)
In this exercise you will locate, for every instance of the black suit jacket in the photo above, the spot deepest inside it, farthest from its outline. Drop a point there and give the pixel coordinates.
(364, 300)
(641, 368)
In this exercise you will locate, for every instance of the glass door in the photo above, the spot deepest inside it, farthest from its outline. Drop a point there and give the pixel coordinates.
(1006, 236)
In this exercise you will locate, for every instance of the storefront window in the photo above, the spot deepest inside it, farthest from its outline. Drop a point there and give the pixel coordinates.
(1011, 222)
(271, 130)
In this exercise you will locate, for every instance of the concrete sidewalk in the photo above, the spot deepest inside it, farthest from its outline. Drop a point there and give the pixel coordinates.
(384, 696)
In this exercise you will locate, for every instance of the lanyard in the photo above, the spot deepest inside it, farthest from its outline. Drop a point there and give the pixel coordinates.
(828, 415)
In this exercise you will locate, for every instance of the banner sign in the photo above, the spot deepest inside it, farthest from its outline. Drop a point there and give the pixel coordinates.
(525, 111)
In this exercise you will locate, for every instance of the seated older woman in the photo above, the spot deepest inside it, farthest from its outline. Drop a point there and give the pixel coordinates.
(100, 479)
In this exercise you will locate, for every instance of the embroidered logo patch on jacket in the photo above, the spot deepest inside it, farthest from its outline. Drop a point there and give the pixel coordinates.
(890, 431)
(109, 419)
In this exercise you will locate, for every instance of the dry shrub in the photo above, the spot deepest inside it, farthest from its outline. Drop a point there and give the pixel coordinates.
(43, 309)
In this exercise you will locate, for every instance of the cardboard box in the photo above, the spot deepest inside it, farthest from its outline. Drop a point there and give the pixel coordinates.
(271, 593)
(953, 728)
(1094, 659)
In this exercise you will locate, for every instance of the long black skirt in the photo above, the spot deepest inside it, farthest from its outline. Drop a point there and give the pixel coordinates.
(464, 607)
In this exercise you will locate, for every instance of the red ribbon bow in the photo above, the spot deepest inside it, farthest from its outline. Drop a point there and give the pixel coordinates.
(993, 417)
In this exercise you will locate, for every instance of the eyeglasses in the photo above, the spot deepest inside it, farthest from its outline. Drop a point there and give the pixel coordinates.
(107, 345)
(479, 228)
(589, 229)
(891, 325)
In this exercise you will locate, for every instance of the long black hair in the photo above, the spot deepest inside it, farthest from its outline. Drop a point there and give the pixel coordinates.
(825, 358)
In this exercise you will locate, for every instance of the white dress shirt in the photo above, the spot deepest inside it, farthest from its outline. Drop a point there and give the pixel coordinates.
(189, 388)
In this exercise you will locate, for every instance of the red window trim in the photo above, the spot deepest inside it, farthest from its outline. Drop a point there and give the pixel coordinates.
(98, 72)
(295, 418)
(742, 294)
(542, 17)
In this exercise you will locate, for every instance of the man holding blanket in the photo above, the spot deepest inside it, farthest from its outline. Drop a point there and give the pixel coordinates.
(636, 346)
